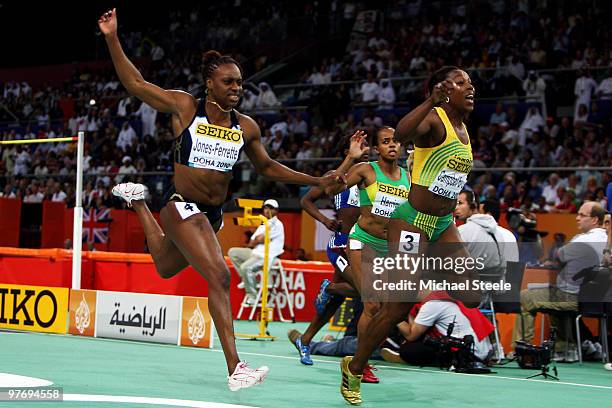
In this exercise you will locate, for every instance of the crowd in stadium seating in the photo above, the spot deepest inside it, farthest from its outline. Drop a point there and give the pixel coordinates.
(124, 136)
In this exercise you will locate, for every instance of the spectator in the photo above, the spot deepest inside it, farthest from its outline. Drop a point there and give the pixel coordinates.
(535, 87)
(248, 261)
(386, 95)
(277, 144)
(566, 205)
(126, 170)
(22, 159)
(59, 196)
(369, 90)
(123, 107)
(303, 155)
(584, 250)
(582, 116)
(550, 190)
(127, 137)
(604, 90)
(249, 101)
(499, 116)
(33, 194)
(148, 115)
(266, 98)
(510, 137)
(298, 127)
(534, 122)
(584, 88)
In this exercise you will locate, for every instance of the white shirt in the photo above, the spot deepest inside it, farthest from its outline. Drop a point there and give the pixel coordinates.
(125, 170)
(441, 313)
(316, 78)
(550, 194)
(148, 115)
(267, 99)
(277, 238)
(386, 97)
(59, 197)
(248, 101)
(282, 126)
(583, 89)
(34, 198)
(369, 90)
(583, 251)
(122, 106)
(126, 138)
(510, 138)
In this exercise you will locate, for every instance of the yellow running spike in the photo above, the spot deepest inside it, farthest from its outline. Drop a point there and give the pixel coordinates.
(351, 384)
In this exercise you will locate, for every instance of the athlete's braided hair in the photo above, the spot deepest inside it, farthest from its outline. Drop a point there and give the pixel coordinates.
(211, 60)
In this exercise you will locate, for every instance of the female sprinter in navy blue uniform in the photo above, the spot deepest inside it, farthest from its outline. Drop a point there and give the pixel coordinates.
(210, 135)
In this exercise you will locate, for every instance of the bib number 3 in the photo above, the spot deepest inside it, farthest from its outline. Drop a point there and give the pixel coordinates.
(409, 242)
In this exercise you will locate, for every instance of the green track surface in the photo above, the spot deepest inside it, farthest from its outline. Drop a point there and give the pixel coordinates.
(111, 367)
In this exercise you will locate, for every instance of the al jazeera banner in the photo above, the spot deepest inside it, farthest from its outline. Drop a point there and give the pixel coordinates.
(33, 308)
(138, 316)
(82, 312)
(197, 327)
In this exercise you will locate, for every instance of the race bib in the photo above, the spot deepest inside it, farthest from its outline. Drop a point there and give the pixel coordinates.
(341, 263)
(214, 147)
(186, 210)
(448, 183)
(353, 198)
(388, 198)
(409, 242)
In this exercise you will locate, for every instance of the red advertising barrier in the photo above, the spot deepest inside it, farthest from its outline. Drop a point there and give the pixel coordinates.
(136, 273)
(10, 216)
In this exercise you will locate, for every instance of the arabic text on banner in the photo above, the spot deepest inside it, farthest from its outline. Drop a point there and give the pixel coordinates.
(138, 316)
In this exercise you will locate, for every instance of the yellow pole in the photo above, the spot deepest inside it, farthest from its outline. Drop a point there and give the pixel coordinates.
(250, 220)
(30, 141)
(263, 318)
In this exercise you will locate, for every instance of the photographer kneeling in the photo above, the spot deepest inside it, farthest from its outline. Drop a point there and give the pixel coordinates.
(428, 326)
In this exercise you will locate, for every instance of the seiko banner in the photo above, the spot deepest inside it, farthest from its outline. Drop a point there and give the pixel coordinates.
(138, 316)
(33, 308)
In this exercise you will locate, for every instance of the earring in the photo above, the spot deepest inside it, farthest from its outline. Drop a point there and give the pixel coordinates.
(447, 99)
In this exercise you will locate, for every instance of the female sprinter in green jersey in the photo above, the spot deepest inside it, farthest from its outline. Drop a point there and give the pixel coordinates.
(383, 186)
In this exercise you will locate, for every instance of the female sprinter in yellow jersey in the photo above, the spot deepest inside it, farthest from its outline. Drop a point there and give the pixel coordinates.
(442, 162)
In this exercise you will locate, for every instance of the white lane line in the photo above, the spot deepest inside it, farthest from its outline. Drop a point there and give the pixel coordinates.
(13, 380)
(334, 362)
(439, 371)
(149, 400)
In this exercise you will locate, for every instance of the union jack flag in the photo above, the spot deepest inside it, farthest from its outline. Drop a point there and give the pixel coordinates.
(94, 228)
